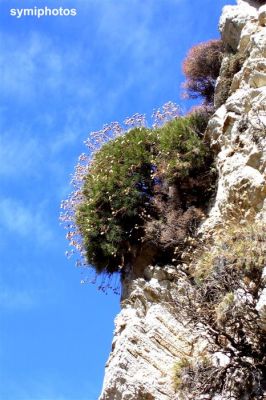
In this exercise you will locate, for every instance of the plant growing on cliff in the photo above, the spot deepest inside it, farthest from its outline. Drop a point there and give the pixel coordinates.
(120, 187)
(220, 300)
(201, 68)
(192, 372)
(232, 64)
(125, 186)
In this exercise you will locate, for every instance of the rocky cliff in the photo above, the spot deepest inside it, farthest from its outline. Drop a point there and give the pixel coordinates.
(153, 332)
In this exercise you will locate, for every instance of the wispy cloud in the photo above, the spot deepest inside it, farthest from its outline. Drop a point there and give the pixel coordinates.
(19, 65)
(72, 129)
(37, 64)
(135, 46)
(11, 299)
(24, 288)
(22, 220)
(19, 155)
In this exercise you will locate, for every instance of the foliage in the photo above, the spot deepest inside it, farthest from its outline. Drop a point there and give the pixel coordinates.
(201, 68)
(231, 65)
(191, 372)
(242, 248)
(224, 307)
(179, 148)
(199, 117)
(115, 190)
(119, 188)
(125, 186)
(180, 368)
(224, 283)
(94, 142)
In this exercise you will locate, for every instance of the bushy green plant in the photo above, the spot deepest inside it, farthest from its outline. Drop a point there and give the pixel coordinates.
(232, 64)
(119, 187)
(199, 118)
(180, 149)
(201, 68)
(181, 366)
(190, 373)
(116, 188)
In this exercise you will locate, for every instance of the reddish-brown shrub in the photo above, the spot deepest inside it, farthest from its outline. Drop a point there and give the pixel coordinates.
(201, 68)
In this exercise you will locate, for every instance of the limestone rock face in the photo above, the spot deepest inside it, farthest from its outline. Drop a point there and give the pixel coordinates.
(148, 338)
(233, 20)
(237, 130)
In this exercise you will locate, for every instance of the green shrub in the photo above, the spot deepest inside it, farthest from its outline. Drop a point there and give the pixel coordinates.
(201, 68)
(180, 367)
(122, 182)
(232, 64)
(240, 247)
(190, 374)
(199, 118)
(113, 199)
(180, 149)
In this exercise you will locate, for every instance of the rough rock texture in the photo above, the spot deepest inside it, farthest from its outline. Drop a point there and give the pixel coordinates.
(148, 339)
(237, 129)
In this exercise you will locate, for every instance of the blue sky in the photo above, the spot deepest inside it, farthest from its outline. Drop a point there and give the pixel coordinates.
(60, 78)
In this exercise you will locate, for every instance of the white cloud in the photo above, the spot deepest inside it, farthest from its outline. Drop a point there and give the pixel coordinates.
(21, 220)
(23, 287)
(28, 65)
(127, 30)
(36, 64)
(11, 299)
(39, 64)
(72, 129)
(19, 155)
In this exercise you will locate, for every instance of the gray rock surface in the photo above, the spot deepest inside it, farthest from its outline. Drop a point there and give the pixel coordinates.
(147, 338)
(238, 128)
